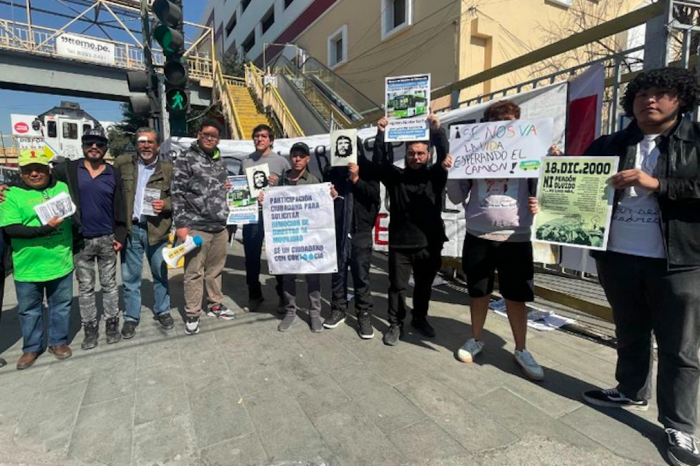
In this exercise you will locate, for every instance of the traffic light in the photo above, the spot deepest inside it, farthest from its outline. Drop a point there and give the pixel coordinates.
(145, 102)
(169, 34)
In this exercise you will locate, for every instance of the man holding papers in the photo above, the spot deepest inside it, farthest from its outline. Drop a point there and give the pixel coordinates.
(43, 259)
(146, 176)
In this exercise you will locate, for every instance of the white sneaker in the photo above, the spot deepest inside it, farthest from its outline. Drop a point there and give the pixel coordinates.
(530, 367)
(220, 311)
(469, 350)
(191, 325)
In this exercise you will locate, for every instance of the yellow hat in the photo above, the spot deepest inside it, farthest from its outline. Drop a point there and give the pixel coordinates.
(28, 157)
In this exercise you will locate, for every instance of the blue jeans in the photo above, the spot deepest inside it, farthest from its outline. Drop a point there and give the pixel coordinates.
(132, 272)
(30, 297)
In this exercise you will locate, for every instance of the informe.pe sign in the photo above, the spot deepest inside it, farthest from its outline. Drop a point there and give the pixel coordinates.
(84, 49)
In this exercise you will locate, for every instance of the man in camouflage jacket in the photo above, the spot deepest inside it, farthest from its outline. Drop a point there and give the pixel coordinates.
(200, 209)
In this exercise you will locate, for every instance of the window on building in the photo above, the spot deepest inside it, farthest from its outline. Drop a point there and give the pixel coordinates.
(287, 3)
(249, 42)
(51, 129)
(244, 5)
(268, 20)
(396, 15)
(70, 130)
(338, 47)
(231, 24)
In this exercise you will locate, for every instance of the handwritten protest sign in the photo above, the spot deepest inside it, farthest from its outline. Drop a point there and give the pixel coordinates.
(575, 200)
(300, 229)
(500, 149)
(243, 209)
(407, 107)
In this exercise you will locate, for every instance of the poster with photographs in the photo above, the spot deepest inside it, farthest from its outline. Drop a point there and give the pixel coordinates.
(149, 195)
(258, 178)
(343, 147)
(60, 206)
(407, 103)
(243, 209)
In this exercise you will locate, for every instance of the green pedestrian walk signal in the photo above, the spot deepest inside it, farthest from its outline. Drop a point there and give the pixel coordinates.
(176, 101)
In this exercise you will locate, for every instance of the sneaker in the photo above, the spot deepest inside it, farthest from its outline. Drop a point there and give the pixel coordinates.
(112, 330)
(129, 329)
(220, 311)
(336, 318)
(254, 304)
(287, 322)
(612, 398)
(191, 325)
(469, 350)
(365, 327)
(316, 324)
(682, 448)
(423, 327)
(166, 321)
(92, 333)
(528, 364)
(393, 335)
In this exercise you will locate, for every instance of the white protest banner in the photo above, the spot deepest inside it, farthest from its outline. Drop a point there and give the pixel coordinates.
(407, 107)
(258, 178)
(82, 48)
(243, 209)
(343, 147)
(300, 229)
(500, 149)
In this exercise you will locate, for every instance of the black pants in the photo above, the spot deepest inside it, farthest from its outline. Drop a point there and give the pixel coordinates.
(313, 288)
(425, 264)
(253, 238)
(359, 263)
(646, 297)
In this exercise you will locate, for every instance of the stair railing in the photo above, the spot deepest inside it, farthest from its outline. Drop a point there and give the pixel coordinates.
(270, 98)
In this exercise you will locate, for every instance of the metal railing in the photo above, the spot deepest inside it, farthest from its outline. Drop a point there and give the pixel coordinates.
(270, 98)
(39, 40)
(222, 94)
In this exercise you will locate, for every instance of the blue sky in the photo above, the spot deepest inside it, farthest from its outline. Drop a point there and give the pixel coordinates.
(33, 103)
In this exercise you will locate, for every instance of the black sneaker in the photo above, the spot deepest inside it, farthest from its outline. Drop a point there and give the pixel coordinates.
(191, 325)
(166, 321)
(129, 329)
(254, 304)
(3, 363)
(423, 327)
(92, 333)
(682, 448)
(365, 327)
(612, 398)
(112, 330)
(393, 335)
(337, 317)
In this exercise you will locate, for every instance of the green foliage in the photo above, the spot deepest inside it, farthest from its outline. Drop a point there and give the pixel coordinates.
(232, 65)
(130, 121)
(118, 140)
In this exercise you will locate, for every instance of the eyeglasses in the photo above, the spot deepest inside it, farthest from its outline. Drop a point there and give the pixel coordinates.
(211, 137)
(99, 144)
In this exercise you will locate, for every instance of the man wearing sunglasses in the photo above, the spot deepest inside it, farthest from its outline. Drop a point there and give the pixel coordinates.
(200, 208)
(99, 231)
(148, 224)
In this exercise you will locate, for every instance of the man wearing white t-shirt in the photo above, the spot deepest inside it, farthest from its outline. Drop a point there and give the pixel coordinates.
(651, 270)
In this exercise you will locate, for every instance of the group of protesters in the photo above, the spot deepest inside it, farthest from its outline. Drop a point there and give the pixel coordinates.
(650, 271)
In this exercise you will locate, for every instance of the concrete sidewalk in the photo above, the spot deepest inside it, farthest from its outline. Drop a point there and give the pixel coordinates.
(241, 393)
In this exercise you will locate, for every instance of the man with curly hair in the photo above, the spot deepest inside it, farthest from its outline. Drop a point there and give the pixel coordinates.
(651, 270)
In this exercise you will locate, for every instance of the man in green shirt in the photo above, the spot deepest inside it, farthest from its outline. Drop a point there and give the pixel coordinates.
(42, 256)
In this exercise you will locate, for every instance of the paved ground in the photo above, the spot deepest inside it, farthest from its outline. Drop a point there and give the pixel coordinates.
(241, 393)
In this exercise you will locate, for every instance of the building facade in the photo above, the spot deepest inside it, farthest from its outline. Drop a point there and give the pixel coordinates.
(364, 41)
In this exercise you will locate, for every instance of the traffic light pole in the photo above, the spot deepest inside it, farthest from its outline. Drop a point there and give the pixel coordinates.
(152, 92)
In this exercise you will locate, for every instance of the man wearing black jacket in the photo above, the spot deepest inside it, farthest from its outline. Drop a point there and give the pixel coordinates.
(416, 230)
(99, 228)
(356, 209)
(651, 270)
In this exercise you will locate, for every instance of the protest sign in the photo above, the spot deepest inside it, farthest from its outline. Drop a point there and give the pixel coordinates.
(149, 195)
(243, 209)
(500, 149)
(60, 206)
(258, 178)
(407, 107)
(9, 175)
(343, 147)
(300, 229)
(575, 200)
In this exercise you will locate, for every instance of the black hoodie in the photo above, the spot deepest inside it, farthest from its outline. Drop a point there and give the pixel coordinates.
(415, 196)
